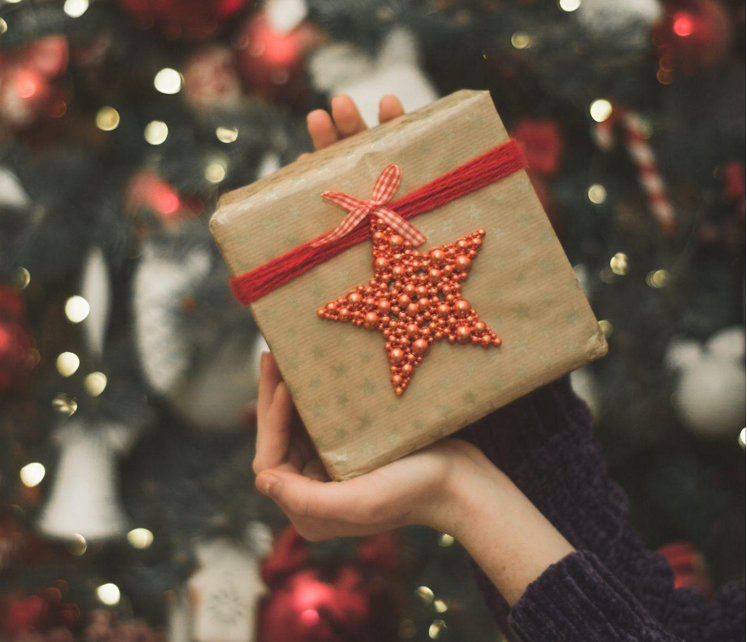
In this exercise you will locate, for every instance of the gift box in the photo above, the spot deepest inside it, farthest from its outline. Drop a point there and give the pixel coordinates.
(389, 342)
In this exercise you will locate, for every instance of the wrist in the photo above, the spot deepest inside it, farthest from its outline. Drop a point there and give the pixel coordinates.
(500, 528)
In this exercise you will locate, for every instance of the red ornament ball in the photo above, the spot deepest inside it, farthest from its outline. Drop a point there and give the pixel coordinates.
(332, 602)
(192, 20)
(270, 62)
(694, 38)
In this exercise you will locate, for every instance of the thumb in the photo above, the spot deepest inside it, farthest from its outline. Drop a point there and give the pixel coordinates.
(340, 501)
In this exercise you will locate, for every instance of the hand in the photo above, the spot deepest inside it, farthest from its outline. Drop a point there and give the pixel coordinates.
(418, 489)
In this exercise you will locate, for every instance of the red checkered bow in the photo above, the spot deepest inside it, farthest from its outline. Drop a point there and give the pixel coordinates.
(384, 188)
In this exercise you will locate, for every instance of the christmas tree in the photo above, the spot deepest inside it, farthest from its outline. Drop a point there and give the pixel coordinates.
(128, 372)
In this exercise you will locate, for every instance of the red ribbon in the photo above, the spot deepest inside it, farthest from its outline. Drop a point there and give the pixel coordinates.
(383, 190)
(475, 174)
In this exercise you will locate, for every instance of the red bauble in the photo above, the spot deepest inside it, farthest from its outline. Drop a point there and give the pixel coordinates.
(210, 79)
(192, 20)
(543, 146)
(149, 195)
(694, 37)
(353, 600)
(16, 359)
(25, 95)
(270, 62)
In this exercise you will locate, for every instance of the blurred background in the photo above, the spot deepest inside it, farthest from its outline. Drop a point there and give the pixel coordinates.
(127, 372)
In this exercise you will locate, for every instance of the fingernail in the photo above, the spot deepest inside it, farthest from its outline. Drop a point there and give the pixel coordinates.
(268, 485)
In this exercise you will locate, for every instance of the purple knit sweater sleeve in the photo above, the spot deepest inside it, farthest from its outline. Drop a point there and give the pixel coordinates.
(612, 588)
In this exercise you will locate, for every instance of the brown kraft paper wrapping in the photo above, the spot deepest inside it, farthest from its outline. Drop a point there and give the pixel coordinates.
(521, 285)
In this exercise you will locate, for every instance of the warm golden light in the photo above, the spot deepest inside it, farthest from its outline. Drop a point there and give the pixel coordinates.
(521, 40)
(436, 629)
(168, 81)
(600, 110)
(95, 383)
(425, 594)
(64, 404)
(23, 278)
(140, 538)
(569, 5)
(75, 8)
(606, 327)
(657, 279)
(619, 264)
(156, 132)
(76, 309)
(227, 134)
(440, 606)
(67, 363)
(215, 172)
(597, 194)
(445, 540)
(108, 594)
(32, 474)
(107, 119)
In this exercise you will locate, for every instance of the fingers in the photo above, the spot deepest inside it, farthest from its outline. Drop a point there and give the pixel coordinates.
(390, 107)
(321, 129)
(269, 378)
(351, 501)
(273, 423)
(347, 118)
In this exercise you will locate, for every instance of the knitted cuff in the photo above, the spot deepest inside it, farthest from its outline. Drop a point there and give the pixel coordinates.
(579, 599)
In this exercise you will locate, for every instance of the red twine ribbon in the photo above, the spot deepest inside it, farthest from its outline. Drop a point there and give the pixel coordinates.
(384, 188)
(475, 174)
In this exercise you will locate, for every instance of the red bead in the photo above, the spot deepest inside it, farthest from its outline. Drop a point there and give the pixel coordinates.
(371, 320)
(424, 303)
(480, 327)
(413, 330)
(413, 309)
(462, 307)
(420, 347)
(407, 369)
(434, 275)
(344, 314)
(381, 264)
(331, 306)
(396, 380)
(463, 263)
(403, 300)
(321, 313)
(438, 257)
(398, 271)
(384, 306)
(397, 355)
(444, 310)
(396, 241)
(486, 341)
(463, 334)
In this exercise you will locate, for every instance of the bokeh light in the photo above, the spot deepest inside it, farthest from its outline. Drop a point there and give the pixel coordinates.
(76, 309)
(600, 110)
(156, 132)
(140, 538)
(107, 119)
(108, 594)
(67, 363)
(95, 383)
(75, 8)
(168, 81)
(32, 474)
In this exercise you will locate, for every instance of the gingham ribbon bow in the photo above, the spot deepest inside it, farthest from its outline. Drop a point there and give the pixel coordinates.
(384, 188)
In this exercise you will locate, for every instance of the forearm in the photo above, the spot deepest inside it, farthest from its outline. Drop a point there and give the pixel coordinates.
(511, 541)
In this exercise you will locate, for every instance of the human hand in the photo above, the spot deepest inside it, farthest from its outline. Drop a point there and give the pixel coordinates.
(346, 120)
(418, 489)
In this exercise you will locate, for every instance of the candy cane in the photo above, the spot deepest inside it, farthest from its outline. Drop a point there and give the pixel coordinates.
(649, 176)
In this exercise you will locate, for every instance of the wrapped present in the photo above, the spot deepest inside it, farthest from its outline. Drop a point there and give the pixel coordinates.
(407, 281)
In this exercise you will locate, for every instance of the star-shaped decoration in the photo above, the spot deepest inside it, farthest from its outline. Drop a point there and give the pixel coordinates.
(414, 300)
